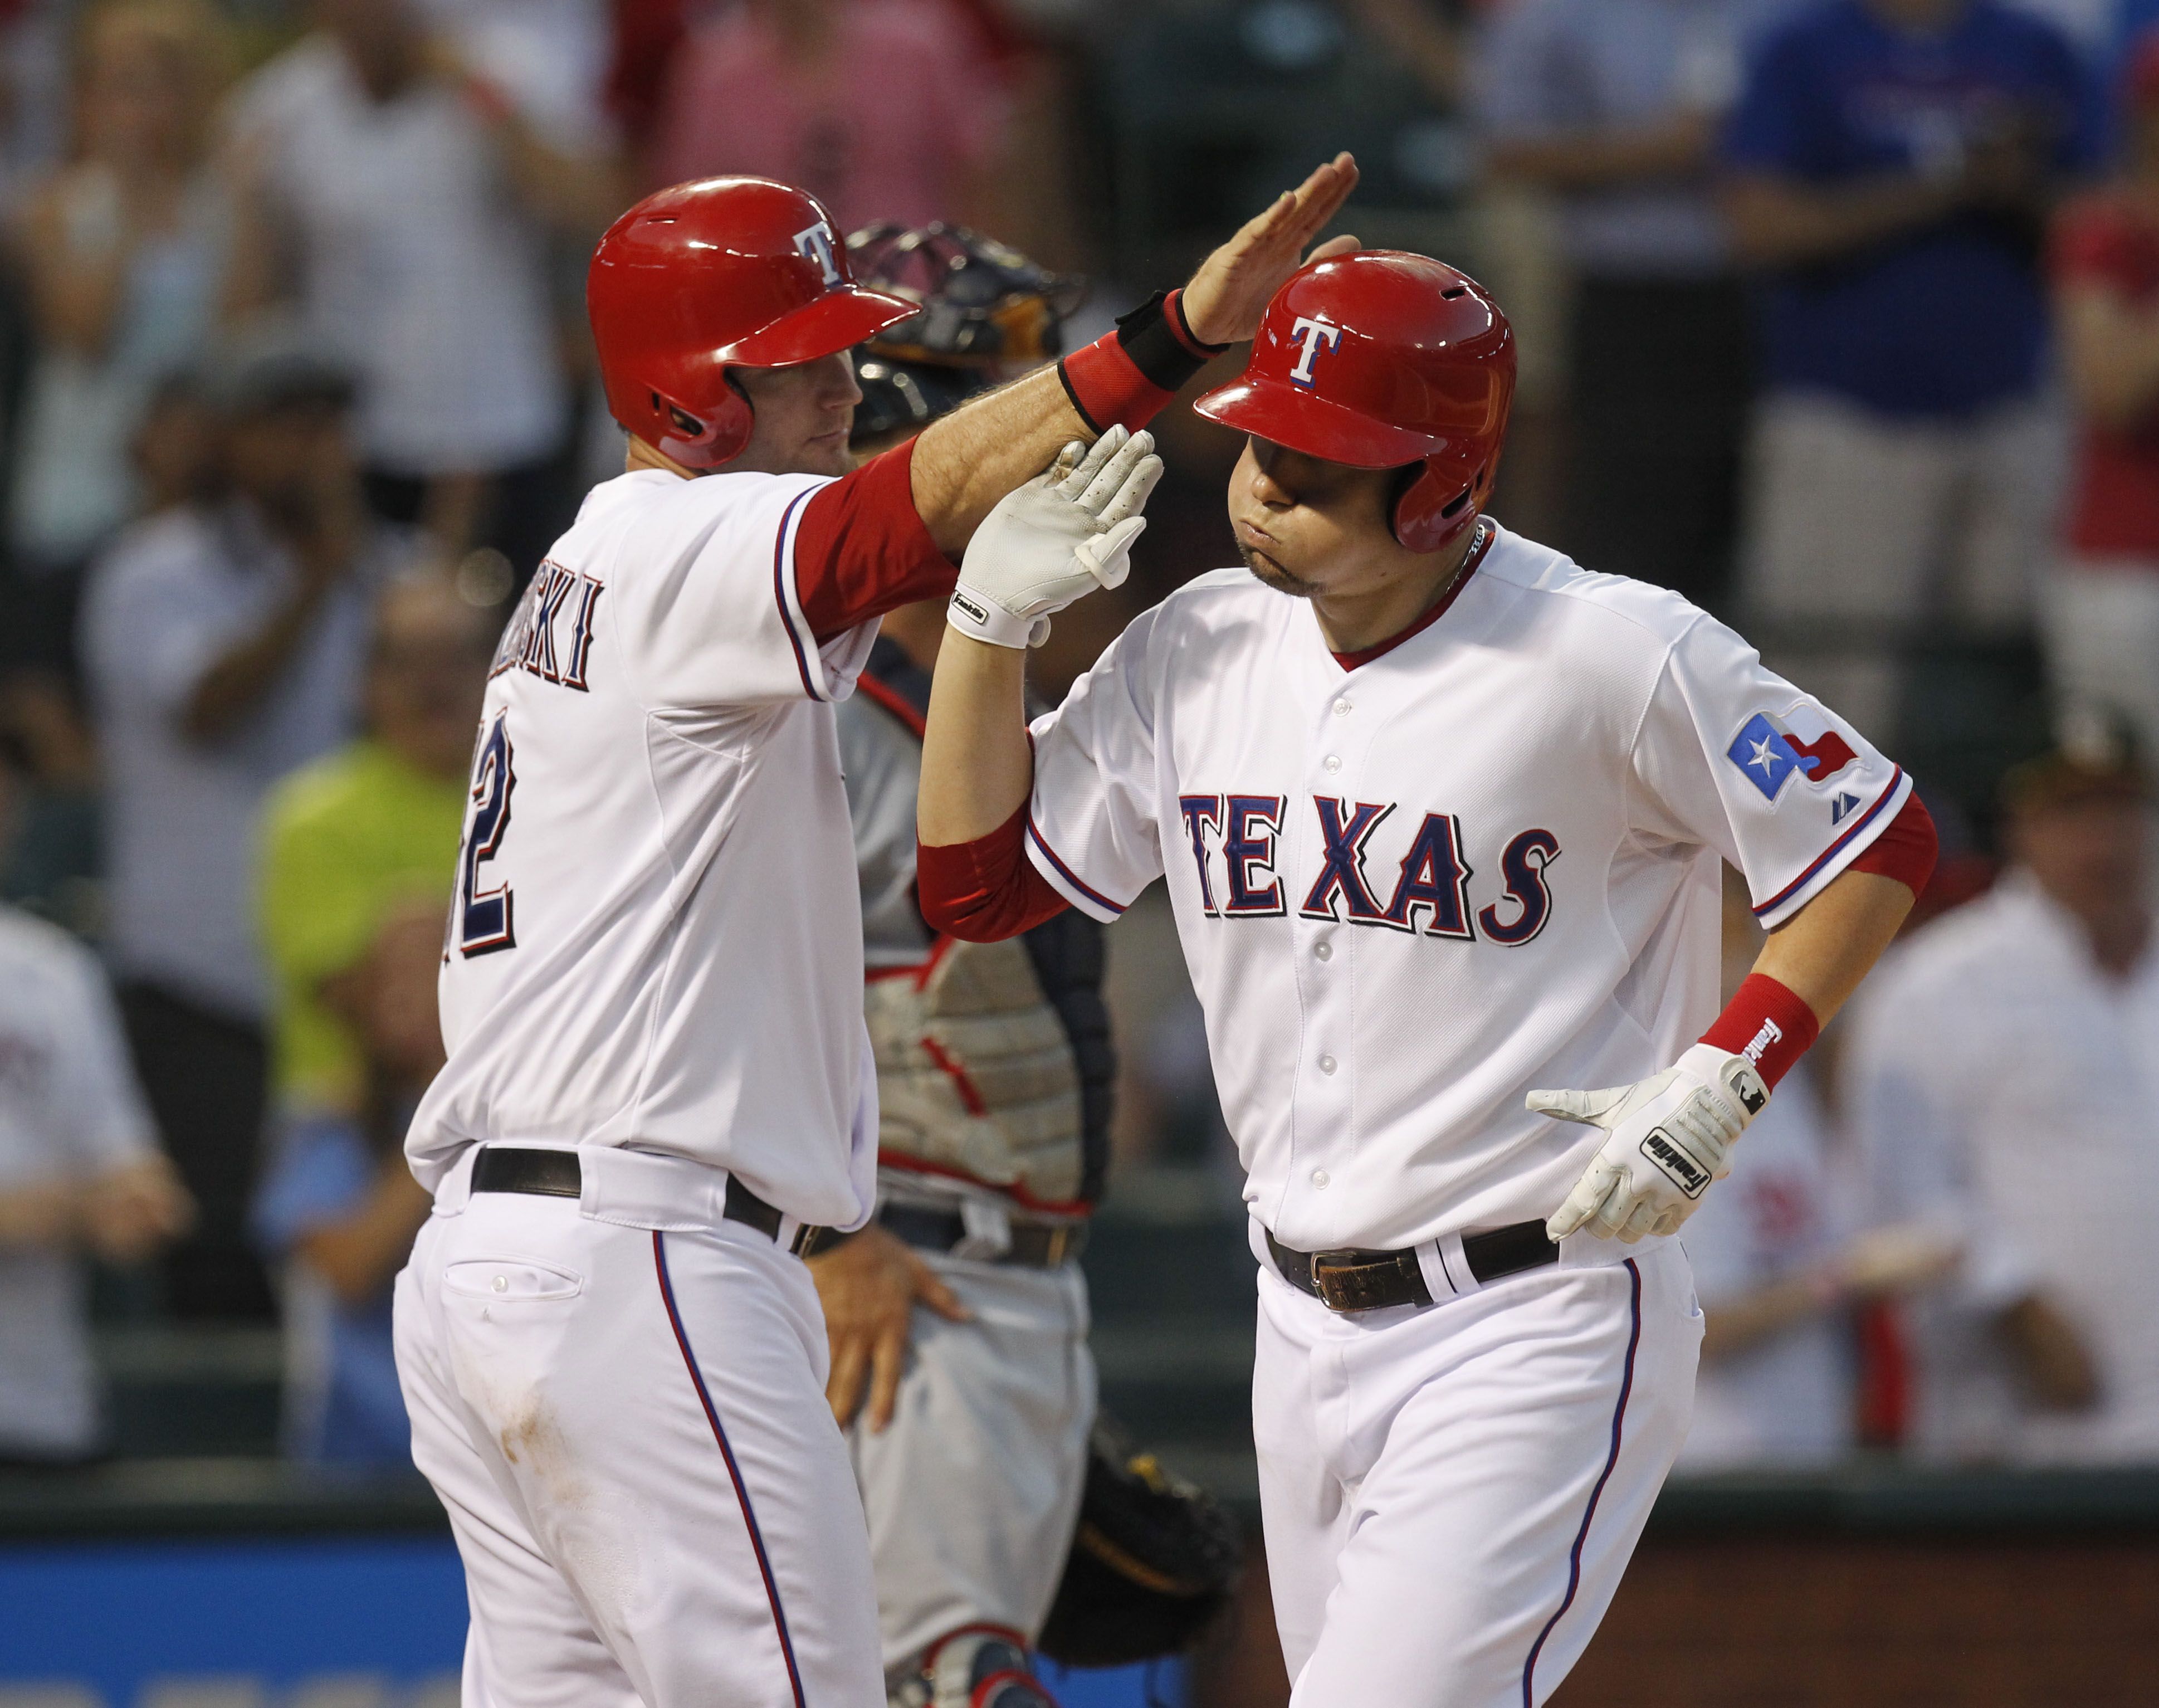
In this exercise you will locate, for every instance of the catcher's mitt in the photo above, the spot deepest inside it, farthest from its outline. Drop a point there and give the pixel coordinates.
(1154, 1559)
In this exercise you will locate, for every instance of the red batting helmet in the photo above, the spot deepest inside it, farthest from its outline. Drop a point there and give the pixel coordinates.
(1379, 359)
(726, 272)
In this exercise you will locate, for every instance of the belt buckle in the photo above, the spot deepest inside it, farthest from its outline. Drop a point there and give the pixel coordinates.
(1342, 1281)
(1059, 1237)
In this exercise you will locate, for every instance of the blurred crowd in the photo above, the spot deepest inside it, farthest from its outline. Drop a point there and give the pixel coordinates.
(1841, 316)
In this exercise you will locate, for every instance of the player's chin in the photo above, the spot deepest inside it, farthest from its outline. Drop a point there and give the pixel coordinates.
(829, 453)
(1271, 573)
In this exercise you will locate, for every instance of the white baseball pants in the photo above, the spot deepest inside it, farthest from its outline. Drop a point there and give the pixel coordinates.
(620, 1401)
(973, 1490)
(1450, 1492)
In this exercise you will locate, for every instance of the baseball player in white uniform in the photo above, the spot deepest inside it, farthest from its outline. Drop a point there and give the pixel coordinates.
(1441, 830)
(658, 1086)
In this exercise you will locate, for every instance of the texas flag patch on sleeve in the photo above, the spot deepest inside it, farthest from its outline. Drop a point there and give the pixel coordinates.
(1770, 751)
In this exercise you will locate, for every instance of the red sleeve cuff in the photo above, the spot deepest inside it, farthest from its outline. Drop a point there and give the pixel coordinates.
(1766, 1022)
(1107, 388)
(1130, 376)
(862, 549)
(986, 890)
(1906, 850)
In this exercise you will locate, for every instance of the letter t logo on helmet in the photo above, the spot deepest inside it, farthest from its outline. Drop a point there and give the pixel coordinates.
(1310, 337)
(816, 243)
(723, 273)
(1418, 368)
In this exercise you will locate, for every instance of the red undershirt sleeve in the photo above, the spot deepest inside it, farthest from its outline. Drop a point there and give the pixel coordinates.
(1905, 851)
(986, 890)
(862, 550)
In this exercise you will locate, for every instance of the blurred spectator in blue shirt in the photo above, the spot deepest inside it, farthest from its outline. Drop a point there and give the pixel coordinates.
(1612, 106)
(1893, 163)
(340, 1208)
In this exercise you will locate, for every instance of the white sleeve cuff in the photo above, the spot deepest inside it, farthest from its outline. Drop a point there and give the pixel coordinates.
(1859, 835)
(1067, 882)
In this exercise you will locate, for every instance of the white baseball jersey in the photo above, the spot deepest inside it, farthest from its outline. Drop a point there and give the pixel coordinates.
(655, 940)
(1482, 862)
(70, 1111)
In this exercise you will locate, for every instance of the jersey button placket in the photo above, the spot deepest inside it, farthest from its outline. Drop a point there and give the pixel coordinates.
(1323, 1113)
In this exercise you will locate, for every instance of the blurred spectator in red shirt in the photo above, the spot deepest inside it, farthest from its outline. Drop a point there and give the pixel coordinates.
(886, 109)
(2103, 605)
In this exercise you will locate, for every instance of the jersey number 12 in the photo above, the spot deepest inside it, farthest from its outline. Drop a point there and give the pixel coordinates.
(485, 913)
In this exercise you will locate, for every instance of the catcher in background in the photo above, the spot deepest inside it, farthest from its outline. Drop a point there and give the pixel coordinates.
(969, 1420)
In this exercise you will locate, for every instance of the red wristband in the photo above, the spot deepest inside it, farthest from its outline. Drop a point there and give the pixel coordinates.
(1128, 377)
(1768, 1024)
(1108, 389)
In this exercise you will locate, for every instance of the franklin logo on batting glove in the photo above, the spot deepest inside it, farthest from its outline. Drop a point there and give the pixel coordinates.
(1692, 1177)
(1670, 1136)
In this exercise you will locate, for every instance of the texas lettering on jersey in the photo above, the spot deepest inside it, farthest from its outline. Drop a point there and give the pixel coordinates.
(1237, 834)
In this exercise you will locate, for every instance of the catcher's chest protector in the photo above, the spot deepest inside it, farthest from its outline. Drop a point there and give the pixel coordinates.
(976, 1072)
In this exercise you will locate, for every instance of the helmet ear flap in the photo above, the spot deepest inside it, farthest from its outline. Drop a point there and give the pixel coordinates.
(720, 436)
(1432, 508)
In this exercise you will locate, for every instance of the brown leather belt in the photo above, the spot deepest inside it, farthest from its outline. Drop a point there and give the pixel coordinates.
(1373, 1280)
(556, 1174)
(1034, 1244)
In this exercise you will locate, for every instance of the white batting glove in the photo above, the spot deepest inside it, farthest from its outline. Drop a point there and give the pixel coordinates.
(1066, 532)
(1671, 1134)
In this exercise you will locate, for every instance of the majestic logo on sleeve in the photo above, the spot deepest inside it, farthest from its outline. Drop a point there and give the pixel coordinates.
(1310, 337)
(1770, 751)
(1234, 840)
(814, 244)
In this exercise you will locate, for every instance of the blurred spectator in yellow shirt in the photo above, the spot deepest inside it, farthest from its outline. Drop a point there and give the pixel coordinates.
(350, 838)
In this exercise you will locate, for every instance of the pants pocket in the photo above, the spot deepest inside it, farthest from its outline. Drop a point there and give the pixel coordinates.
(512, 1278)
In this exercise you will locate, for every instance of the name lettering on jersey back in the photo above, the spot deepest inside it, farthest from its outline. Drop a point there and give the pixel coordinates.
(1238, 835)
(549, 634)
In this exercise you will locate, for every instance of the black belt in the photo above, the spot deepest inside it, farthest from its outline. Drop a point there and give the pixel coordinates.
(556, 1174)
(1372, 1280)
(1034, 1244)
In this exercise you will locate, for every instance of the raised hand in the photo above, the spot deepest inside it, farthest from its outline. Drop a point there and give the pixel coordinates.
(1066, 532)
(1227, 296)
